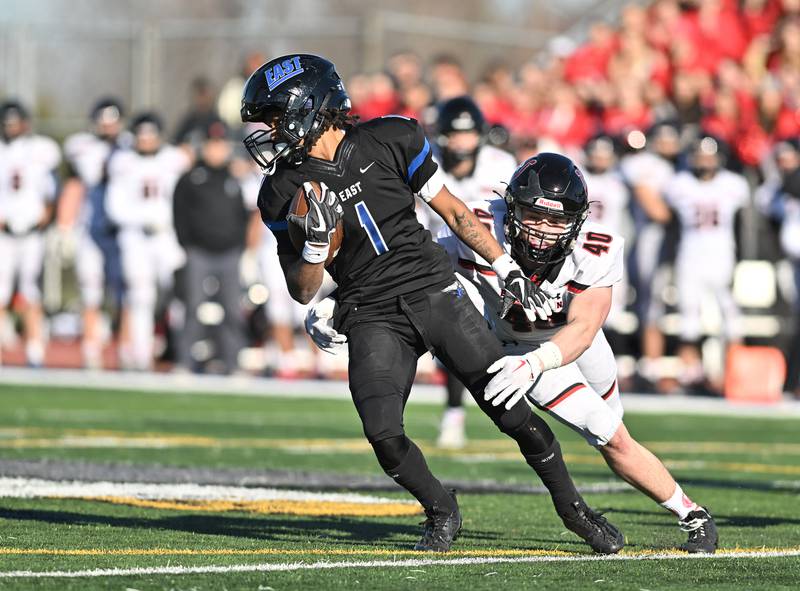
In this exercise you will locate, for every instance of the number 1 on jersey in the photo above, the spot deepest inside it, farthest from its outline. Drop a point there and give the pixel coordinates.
(368, 223)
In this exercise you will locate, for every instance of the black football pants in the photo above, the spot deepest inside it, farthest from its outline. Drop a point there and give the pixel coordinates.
(385, 341)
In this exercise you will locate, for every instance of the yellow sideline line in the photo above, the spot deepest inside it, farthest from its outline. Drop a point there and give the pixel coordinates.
(282, 507)
(492, 552)
(45, 436)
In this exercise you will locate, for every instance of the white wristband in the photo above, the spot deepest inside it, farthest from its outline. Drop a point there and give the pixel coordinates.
(315, 253)
(549, 355)
(503, 265)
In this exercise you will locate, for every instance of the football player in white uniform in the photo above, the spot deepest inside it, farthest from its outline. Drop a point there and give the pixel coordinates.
(542, 224)
(473, 171)
(139, 201)
(648, 172)
(609, 206)
(82, 206)
(27, 194)
(705, 200)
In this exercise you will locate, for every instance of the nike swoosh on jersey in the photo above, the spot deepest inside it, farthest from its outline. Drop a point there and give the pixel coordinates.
(366, 168)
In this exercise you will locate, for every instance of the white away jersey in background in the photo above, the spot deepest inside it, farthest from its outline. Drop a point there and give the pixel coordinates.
(87, 154)
(608, 199)
(27, 182)
(646, 168)
(493, 168)
(596, 261)
(140, 187)
(707, 211)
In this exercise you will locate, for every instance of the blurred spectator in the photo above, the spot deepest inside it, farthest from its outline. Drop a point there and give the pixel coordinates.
(405, 68)
(27, 195)
(140, 188)
(229, 103)
(375, 97)
(565, 120)
(82, 207)
(201, 113)
(590, 62)
(211, 223)
(447, 78)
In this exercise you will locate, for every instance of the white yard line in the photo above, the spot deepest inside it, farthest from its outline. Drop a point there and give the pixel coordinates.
(27, 488)
(296, 566)
(422, 393)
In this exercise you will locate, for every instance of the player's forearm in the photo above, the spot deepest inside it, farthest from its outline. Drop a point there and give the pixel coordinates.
(574, 339)
(466, 225)
(303, 279)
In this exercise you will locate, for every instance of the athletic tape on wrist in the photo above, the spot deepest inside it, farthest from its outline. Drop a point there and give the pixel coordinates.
(315, 253)
(503, 265)
(549, 355)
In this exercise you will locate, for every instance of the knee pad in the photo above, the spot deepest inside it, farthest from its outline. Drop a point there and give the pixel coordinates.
(391, 452)
(514, 418)
(601, 424)
(532, 434)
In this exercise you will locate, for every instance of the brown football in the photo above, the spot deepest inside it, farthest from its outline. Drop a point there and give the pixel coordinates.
(299, 206)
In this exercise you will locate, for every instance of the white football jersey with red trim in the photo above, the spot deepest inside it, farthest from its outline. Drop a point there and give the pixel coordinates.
(140, 187)
(608, 199)
(493, 167)
(27, 180)
(596, 261)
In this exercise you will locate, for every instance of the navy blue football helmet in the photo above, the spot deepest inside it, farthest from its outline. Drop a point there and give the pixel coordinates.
(289, 94)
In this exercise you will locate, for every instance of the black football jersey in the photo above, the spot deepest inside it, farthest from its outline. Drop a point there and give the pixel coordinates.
(378, 168)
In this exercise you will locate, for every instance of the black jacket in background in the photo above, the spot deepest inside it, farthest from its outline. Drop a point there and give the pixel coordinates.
(209, 210)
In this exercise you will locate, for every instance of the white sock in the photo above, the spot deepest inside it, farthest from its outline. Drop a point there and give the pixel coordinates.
(679, 503)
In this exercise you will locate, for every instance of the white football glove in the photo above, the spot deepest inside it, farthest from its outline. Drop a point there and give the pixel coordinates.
(516, 375)
(319, 326)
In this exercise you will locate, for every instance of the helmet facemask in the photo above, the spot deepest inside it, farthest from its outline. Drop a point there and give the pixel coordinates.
(284, 137)
(539, 236)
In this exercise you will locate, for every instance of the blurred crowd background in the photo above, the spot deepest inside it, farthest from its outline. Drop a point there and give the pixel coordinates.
(169, 267)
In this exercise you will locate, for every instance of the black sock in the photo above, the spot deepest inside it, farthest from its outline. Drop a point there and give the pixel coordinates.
(455, 391)
(551, 468)
(413, 475)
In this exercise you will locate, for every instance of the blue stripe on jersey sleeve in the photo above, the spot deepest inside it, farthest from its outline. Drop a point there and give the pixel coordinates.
(277, 226)
(417, 162)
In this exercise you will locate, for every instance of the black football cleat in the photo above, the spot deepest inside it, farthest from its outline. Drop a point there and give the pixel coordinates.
(703, 538)
(440, 529)
(593, 528)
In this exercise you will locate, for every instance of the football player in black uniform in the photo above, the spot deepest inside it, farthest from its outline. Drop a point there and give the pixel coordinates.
(397, 294)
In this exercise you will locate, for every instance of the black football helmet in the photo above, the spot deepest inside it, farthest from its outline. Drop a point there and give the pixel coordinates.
(550, 186)
(14, 120)
(706, 155)
(457, 115)
(289, 94)
(601, 154)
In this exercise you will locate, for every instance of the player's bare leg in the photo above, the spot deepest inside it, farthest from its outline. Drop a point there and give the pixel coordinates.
(652, 352)
(92, 345)
(126, 359)
(637, 466)
(692, 373)
(34, 343)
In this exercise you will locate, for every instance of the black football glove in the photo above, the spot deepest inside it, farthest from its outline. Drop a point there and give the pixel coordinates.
(324, 212)
(518, 289)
